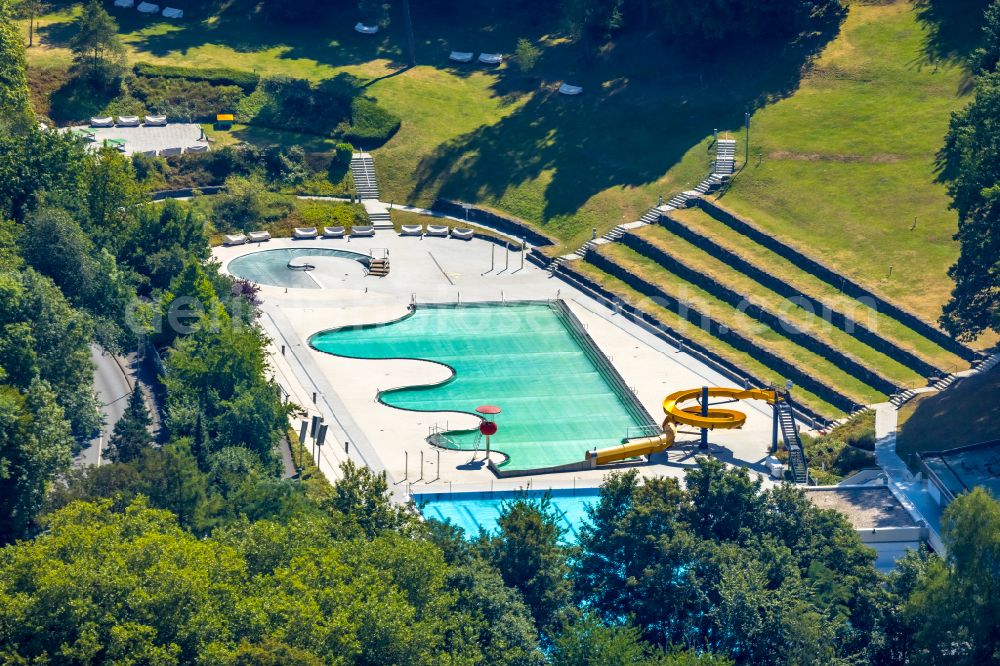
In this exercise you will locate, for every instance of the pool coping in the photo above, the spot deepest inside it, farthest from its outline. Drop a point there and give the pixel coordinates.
(569, 321)
(361, 259)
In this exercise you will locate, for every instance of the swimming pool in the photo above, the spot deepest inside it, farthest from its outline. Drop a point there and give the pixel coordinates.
(270, 267)
(560, 397)
(475, 512)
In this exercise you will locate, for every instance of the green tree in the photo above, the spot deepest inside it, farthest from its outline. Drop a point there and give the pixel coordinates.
(526, 55)
(42, 336)
(97, 49)
(721, 565)
(113, 199)
(131, 434)
(973, 175)
(34, 162)
(988, 55)
(527, 552)
(165, 239)
(35, 445)
(58, 247)
(953, 605)
(31, 10)
(242, 206)
(363, 497)
(15, 107)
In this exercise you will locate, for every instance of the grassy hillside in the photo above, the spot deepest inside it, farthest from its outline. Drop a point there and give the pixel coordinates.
(845, 167)
(842, 152)
(967, 413)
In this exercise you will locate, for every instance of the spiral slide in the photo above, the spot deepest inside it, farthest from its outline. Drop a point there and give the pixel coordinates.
(690, 416)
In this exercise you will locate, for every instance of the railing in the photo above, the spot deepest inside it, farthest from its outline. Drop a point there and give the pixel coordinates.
(637, 432)
(625, 394)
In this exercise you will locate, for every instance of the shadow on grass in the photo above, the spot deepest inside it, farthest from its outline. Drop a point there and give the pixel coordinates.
(644, 106)
(954, 28)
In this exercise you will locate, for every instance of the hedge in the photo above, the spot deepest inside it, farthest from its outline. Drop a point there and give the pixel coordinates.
(370, 123)
(222, 76)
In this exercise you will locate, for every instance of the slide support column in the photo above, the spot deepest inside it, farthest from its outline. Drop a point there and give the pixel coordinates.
(704, 412)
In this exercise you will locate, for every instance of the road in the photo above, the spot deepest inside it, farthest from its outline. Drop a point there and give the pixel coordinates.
(112, 387)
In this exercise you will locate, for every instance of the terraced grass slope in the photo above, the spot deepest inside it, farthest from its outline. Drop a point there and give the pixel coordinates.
(845, 167)
(720, 238)
(720, 348)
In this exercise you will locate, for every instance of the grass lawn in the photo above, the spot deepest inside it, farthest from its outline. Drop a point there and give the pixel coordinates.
(843, 167)
(967, 413)
(842, 152)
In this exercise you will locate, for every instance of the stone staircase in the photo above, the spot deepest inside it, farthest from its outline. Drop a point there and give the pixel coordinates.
(380, 219)
(899, 399)
(363, 170)
(725, 158)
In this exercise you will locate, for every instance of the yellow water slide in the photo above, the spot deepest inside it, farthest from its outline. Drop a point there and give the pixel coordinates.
(690, 416)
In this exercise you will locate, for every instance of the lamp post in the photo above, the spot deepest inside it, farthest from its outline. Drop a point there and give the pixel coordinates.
(746, 150)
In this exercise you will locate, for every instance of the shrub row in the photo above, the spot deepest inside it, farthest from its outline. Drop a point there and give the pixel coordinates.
(219, 76)
(184, 100)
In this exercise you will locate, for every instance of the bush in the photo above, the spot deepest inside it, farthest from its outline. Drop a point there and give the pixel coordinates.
(219, 76)
(322, 214)
(297, 105)
(342, 153)
(184, 100)
(370, 123)
(526, 55)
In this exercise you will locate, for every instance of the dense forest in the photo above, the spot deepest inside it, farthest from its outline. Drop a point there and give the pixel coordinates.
(194, 550)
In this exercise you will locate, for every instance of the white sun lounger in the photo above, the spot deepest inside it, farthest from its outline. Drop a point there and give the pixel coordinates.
(173, 12)
(437, 230)
(411, 230)
(147, 153)
(364, 230)
(148, 8)
(167, 152)
(128, 121)
(461, 56)
(462, 233)
(102, 122)
(156, 121)
(125, 3)
(259, 236)
(490, 58)
(567, 89)
(333, 232)
(197, 148)
(235, 239)
(305, 232)
(365, 29)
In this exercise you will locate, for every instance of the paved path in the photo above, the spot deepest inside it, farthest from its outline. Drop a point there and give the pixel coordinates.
(911, 491)
(112, 386)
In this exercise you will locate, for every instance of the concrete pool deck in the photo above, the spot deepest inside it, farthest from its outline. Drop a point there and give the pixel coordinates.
(444, 270)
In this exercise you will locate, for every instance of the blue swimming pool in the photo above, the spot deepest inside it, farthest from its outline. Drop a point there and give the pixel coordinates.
(476, 512)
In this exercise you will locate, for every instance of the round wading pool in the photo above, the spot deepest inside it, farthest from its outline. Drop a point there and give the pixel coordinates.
(284, 267)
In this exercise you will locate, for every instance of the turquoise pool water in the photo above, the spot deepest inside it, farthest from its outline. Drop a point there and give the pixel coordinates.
(475, 512)
(270, 267)
(559, 398)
